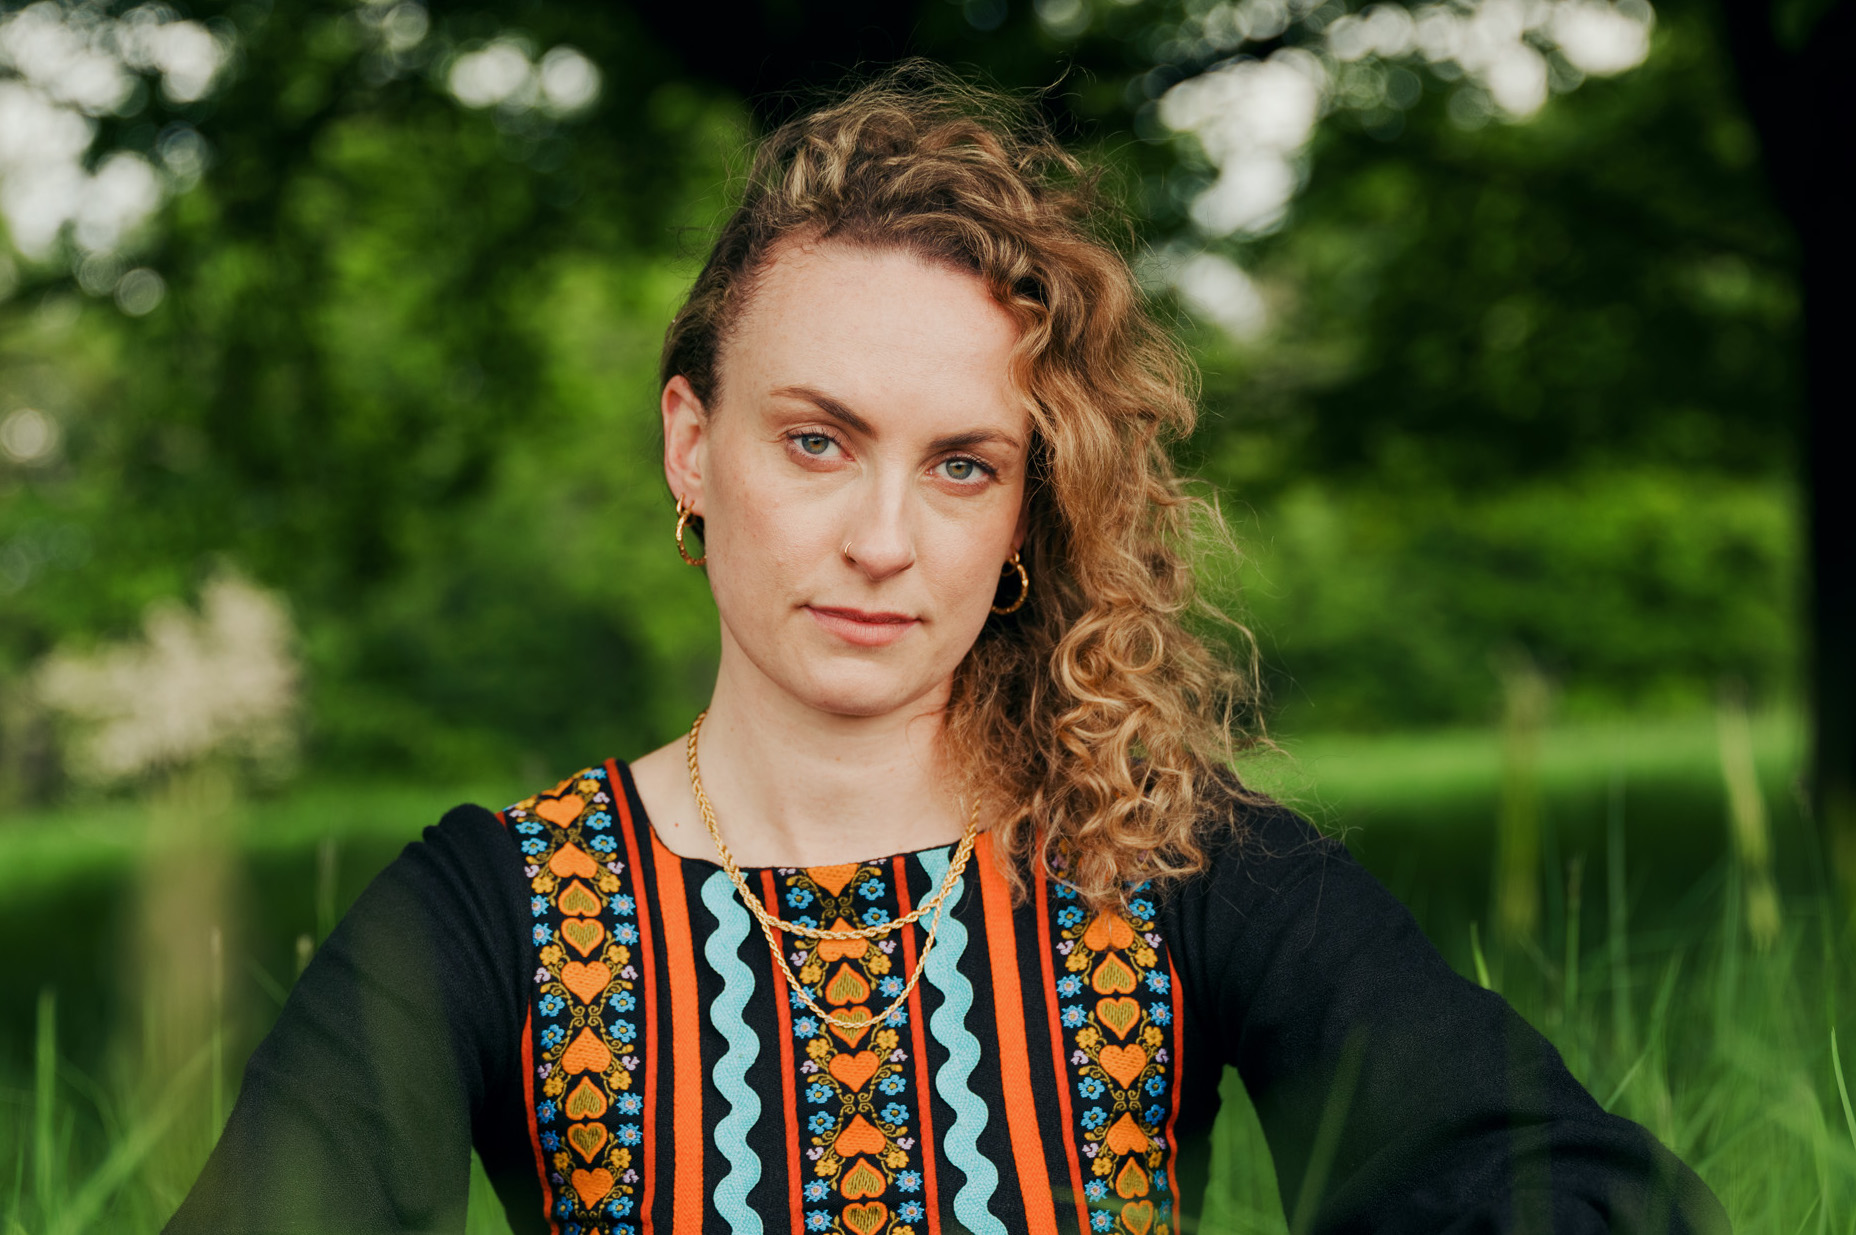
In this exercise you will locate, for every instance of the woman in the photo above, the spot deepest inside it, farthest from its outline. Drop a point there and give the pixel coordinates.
(944, 915)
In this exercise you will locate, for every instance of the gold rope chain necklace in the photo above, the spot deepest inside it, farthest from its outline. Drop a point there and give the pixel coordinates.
(771, 926)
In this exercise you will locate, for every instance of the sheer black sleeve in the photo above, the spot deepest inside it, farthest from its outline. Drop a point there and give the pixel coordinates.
(400, 1041)
(1396, 1095)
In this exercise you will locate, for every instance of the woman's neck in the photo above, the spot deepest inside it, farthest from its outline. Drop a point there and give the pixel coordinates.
(795, 786)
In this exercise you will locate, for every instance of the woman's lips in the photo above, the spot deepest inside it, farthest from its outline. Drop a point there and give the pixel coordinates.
(865, 629)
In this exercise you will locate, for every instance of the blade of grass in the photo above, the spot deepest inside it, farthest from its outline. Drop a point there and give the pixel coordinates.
(1482, 965)
(1843, 1090)
(44, 1094)
(127, 1154)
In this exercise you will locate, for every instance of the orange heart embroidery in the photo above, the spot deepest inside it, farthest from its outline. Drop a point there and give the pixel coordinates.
(1125, 1137)
(587, 981)
(1118, 1014)
(1107, 932)
(584, 933)
(867, 1217)
(1113, 976)
(577, 898)
(585, 1102)
(851, 1071)
(588, 1054)
(851, 1037)
(846, 986)
(592, 1185)
(862, 1180)
(1131, 1181)
(586, 1139)
(833, 878)
(1124, 1063)
(1138, 1217)
(561, 811)
(838, 949)
(859, 1137)
(571, 859)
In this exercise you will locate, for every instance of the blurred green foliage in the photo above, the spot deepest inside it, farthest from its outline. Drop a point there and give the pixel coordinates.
(1529, 389)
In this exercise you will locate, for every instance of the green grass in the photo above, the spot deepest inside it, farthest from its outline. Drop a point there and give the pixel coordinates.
(1641, 969)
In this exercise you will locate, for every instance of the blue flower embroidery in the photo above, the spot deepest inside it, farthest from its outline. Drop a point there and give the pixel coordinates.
(564, 1206)
(1073, 1016)
(629, 1134)
(1094, 1118)
(909, 1181)
(541, 933)
(816, 1190)
(1154, 1114)
(620, 1207)
(534, 848)
(538, 905)
(1095, 1189)
(630, 1104)
(1069, 916)
(872, 889)
(911, 1211)
(603, 844)
(625, 932)
(599, 821)
(624, 1031)
(817, 1092)
(798, 898)
(528, 827)
(624, 906)
(1162, 1014)
(1091, 1087)
(892, 1085)
(805, 1027)
(551, 1005)
(1158, 982)
(550, 1142)
(1156, 1085)
(1065, 891)
(553, 1036)
(820, 1124)
(890, 986)
(895, 1113)
(817, 1220)
(1070, 986)
(1100, 1220)
(545, 1112)
(1144, 910)
(624, 1001)
(876, 916)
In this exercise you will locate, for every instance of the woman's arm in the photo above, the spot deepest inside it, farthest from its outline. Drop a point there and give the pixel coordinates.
(1400, 1095)
(357, 1110)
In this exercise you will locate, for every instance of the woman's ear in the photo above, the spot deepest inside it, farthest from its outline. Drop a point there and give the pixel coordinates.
(686, 436)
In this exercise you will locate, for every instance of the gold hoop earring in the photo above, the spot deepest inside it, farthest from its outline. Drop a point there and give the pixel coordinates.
(684, 515)
(1024, 586)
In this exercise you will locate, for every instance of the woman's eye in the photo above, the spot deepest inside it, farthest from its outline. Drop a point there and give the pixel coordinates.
(961, 469)
(813, 443)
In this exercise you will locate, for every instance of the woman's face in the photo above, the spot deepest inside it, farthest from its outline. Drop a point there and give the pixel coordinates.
(861, 477)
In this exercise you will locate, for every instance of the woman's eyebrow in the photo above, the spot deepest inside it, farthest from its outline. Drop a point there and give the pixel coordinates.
(836, 410)
(829, 406)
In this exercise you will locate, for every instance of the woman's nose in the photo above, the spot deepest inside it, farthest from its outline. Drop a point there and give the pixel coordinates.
(880, 541)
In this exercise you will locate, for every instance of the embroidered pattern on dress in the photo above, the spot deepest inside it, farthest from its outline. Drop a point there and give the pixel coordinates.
(1115, 1009)
(585, 1009)
(858, 1106)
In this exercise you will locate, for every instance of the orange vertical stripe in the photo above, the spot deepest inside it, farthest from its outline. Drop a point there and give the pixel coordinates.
(1021, 1112)
(628, 829)
(685, 1042)
(1179, 1073)
(923, 1099)
(783, 1003)
(534, 1132)
(1042, 895)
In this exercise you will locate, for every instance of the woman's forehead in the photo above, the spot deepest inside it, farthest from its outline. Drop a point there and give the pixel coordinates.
(874, 326)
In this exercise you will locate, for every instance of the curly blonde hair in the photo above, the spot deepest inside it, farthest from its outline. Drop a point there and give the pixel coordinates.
(1093, 724)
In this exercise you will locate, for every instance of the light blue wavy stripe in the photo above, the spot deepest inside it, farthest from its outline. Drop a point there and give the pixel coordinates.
(949, 1025)
(731, 1070)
